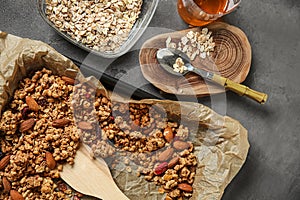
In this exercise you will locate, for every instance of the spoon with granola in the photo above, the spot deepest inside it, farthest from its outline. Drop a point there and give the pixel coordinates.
(178, 63)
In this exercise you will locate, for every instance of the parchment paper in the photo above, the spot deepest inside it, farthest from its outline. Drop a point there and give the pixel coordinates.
(221, 143)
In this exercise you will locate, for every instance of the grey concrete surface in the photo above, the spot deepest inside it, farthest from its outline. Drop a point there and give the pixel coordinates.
(272, 169)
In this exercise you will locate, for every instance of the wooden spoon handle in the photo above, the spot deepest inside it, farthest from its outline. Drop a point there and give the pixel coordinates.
(240, 89)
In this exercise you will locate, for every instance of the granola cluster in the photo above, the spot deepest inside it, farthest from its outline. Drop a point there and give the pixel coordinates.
(102, 25)
(38, 135)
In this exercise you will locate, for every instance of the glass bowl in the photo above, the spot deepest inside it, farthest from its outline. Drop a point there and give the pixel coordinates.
(147, 12)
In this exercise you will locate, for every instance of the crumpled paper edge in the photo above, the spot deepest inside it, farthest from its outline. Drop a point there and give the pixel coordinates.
(221, 147)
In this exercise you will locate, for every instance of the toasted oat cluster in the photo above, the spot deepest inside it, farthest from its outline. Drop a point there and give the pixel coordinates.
(38, 135)
(102, 25)
(179, 66)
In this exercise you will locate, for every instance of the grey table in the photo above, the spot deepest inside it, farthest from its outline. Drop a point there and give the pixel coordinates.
(272, 169)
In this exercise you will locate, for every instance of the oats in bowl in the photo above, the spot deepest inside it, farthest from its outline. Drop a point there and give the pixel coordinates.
(108, 28)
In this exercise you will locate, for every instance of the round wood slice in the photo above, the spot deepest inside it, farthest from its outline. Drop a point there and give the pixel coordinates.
(231, 58)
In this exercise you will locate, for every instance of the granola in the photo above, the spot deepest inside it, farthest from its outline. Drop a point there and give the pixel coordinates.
(48, 117)
(36, 146)
(141, 137)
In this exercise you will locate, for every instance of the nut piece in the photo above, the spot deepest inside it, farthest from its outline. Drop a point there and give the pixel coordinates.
(185, 187)
(166, 154)
(168, 134)
(51, 163)
(180, 145)
(161, 168)
(85, 125)
(173, 162)
(27, 125)
(6, 184)
(15, 195)
(68, 80)
(60, 123)
(4, 161)
(32, 104)
(179, 65)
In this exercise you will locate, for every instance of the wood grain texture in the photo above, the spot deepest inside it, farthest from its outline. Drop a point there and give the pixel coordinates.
(91, 177)
(231, 59)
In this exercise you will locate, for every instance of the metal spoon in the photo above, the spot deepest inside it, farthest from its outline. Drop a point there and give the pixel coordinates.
(167, 57)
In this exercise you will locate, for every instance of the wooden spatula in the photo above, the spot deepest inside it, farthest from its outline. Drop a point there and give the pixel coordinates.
(91, 177)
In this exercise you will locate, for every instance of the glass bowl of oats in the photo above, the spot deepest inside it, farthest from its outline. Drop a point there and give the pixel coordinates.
(108, 28)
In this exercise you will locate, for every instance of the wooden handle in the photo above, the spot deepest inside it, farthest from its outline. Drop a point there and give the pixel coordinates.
(240, 89)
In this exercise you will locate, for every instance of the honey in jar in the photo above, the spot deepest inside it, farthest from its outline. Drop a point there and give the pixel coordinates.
(202, 12)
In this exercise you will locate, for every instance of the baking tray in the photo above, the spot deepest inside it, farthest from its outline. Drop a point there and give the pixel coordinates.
(131, 90)
(110, 82)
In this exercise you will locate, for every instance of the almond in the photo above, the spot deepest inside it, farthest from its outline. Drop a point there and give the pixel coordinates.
(4, 161)
(85, 125)
(166, 154)
(161, 168)
(6, 184)
(51, 163)
(180, 145)
(173, 162)
(60, 123)
(32, 104)
(185, 187)
(27, 125)
(15, 195)
(168, 134)
(68, 80)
